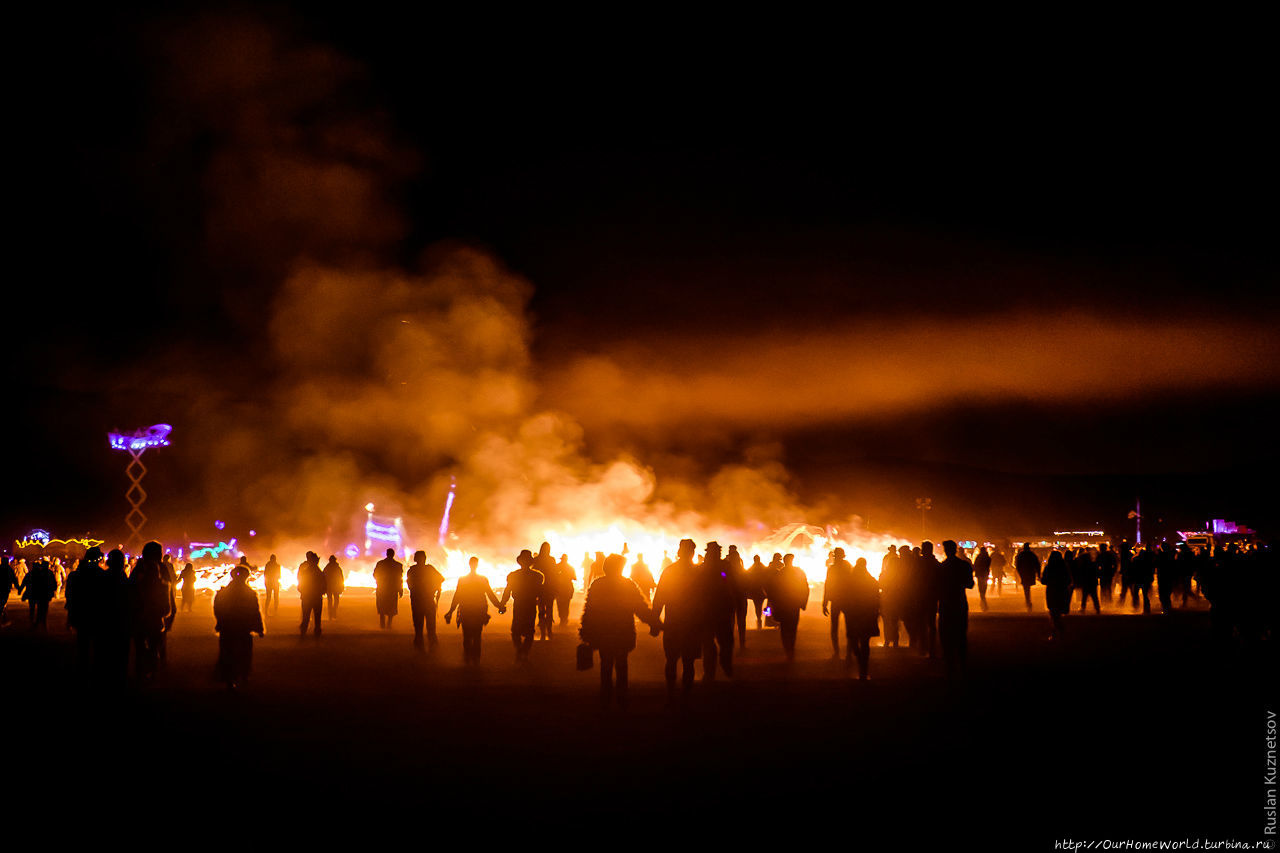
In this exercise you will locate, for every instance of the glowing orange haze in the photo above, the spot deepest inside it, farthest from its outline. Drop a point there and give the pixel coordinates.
(831, 375)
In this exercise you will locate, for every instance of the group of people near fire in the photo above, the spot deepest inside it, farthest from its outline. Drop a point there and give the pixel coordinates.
(699, 603)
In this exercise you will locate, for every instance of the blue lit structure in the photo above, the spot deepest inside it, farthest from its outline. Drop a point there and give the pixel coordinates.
(135, 444)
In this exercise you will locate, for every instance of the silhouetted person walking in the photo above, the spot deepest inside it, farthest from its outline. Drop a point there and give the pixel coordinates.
(84, 606)
(471, 600)
(38, 586)
(236, 619)
(388, 575)
(930, 576)
(150, 603)
(679, 594)
(741, 586)
(788, 593)
(565, 576)
(188, 587)
(998, 562)
(271, 581)
(545, 564)
(1056, 578)
(719, 609)
(524, 588)
(756, 576)
(8, 583)
(861, 613)
(1144, 573)
(890, 595)
(609, 626)
(981, 573)
(1027, 566)
(335, 583)
(114, 623)
(1107, 564)
(954, 577)
(425, 583)
(1084, 577)
(836, 599)
(311, 591)
(643, 578)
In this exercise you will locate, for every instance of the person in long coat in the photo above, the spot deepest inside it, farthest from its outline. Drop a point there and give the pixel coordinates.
(188, 587)
(236, 619)
(609, 626)
(388, 575)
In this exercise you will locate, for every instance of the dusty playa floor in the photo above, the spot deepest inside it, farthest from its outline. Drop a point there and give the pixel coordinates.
(1131, 729)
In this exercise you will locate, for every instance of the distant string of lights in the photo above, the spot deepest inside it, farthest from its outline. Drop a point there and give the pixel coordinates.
(44, 541)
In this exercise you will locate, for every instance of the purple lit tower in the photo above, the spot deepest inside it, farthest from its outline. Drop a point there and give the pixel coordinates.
(135, 444)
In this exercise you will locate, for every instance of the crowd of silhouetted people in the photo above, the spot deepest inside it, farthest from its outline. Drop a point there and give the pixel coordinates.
(700, 604)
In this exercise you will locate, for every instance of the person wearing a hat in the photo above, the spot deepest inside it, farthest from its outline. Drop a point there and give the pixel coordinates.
(237, 619)
(525, 585)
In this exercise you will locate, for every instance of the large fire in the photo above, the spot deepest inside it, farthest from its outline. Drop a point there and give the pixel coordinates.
(811, 546)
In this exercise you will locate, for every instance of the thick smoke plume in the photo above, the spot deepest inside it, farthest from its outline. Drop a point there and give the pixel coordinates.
(385, 381)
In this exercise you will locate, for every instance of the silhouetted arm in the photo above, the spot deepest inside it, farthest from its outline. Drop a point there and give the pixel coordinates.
(488, 590)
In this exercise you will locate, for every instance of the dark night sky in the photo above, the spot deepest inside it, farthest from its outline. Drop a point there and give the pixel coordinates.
(682, 204)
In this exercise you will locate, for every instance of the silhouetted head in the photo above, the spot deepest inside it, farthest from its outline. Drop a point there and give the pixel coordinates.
(613, 565)
(788, 559)
(474, 563)
(239, 572)
(525, 559)
(948, 547)
(151, 551)
(755, 561)
(244, 561)
(733, 549)
(713, 549)
(893, 550)
(776, 557)
(687, 548)
(391, 552)
(1026, 546)
(838, 553)
(93, 555)
(188, 566)
(333, 558)
(115, 559)
(419, 557)
(926, 548)
(544, 550)
(861, 564)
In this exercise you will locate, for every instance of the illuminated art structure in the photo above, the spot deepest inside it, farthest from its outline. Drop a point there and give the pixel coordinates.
(382, 532)
(135, 444)
(212, 550)
(43, 539)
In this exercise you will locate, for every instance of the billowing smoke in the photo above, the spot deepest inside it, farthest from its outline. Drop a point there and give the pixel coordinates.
(384, 380)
